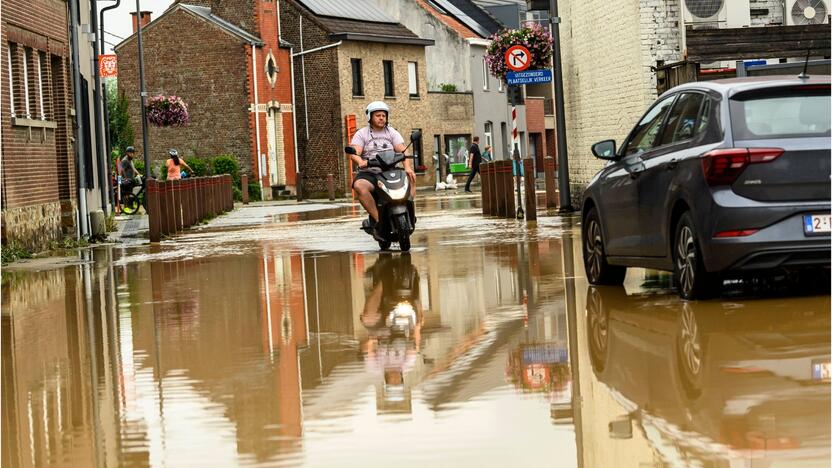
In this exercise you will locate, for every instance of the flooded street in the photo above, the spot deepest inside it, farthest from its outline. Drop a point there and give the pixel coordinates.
(298, 343)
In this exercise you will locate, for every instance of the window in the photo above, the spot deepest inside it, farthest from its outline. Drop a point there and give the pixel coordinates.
(645, 135)
(781, 113)
(357, 84)
(41, 75)
(681, 123)
(27, 111)
(412, 79)
(389, 89)
(271, 69)
(489, 129)
(484, 75)
(11, 78)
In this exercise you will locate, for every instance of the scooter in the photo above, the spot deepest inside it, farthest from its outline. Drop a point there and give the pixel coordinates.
(396, 210)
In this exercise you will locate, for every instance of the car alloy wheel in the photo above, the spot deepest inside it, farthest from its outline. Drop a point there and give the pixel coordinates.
(686, 260)
(691, 348)
(594, 249)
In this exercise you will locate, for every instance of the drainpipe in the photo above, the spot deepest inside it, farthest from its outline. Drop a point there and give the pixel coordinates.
(83, 226)
(103, 165)
(303, 78)
(107, 142)
(294, 113)
(256, 114)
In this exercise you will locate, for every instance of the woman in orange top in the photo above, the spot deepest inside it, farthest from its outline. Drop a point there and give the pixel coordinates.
(174, 165)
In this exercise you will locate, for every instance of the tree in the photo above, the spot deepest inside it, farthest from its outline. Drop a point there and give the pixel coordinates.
(121, 133)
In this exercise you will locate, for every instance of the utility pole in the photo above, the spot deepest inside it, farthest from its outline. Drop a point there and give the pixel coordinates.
(80, 125)
(103, 163)
(148, 173)
(107, 142)
(560, 115)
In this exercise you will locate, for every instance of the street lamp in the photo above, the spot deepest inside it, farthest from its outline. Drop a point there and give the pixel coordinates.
(142, 92)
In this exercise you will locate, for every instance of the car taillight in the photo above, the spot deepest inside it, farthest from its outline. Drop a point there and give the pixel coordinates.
(723, 166)
(737, 233)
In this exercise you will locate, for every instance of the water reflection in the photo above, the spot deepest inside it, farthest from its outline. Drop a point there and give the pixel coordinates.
(715, 380)
(283, 358)
(494, 354)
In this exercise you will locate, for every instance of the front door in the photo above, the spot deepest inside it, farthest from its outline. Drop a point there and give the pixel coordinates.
(274, 132)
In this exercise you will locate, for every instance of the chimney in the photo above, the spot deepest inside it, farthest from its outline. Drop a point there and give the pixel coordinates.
(145, 20)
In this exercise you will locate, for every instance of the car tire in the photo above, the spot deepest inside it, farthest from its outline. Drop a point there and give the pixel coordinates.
(598, 271)
(692, 280)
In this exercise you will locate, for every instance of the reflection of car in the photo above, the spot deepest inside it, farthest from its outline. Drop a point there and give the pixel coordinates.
(727, 176)
(717, 379)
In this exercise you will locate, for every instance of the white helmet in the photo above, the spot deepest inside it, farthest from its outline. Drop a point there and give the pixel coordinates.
(377, 106)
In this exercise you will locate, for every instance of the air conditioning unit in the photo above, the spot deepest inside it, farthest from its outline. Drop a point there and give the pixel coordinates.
(713, 14)
(800, 12)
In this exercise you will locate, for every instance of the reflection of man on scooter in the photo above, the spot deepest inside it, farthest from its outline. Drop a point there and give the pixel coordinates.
(393, 318)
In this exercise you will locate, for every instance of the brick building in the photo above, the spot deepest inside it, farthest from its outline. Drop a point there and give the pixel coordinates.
(201, 50)
(39, 175)
(348, 56)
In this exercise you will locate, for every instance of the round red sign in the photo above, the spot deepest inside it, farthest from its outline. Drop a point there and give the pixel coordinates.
(518, 58)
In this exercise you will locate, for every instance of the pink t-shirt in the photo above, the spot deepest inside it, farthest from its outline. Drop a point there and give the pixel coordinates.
(375, 142)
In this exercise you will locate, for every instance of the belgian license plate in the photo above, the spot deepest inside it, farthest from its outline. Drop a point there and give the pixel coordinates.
(817, 224)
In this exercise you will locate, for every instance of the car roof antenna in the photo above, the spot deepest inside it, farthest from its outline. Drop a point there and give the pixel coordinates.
(803, 75)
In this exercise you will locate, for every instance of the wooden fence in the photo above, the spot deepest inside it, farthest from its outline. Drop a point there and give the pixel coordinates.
(175, 205)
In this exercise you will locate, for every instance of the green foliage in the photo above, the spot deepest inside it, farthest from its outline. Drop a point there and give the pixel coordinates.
(238, 194)
(110, 223)
(227, 164)
(448, 87)
(121, 132)
(13, 252)
(139, 164)
(68, 243)
(201, 166)
(254, 193)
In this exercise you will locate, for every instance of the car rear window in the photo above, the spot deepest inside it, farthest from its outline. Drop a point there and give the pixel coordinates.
(799, 111)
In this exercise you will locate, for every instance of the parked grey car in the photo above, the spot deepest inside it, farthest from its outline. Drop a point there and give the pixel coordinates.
(717, 178)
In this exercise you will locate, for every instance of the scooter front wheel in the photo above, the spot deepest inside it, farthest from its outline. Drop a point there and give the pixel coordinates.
(403, 230)
(384, 245)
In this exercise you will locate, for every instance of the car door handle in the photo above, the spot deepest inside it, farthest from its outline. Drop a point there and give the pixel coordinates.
(672, 164)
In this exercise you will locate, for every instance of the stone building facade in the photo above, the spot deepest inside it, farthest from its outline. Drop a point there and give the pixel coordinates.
(201, 50)
(39, 176)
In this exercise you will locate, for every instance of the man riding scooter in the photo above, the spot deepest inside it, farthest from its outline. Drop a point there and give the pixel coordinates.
(368, 142)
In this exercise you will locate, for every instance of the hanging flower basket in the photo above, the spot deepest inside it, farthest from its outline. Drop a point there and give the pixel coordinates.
(167, 111)
(532, 37)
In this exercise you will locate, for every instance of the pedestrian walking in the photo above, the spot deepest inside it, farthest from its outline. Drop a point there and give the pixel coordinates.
(174, 165)
(474, 160)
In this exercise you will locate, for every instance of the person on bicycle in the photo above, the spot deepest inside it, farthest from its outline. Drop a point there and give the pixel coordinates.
(128, 170)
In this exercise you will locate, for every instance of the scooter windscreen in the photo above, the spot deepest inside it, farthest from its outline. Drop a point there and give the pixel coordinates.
(390, 158)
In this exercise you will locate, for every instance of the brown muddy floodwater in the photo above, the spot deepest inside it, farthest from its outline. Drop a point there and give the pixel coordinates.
(298, 343)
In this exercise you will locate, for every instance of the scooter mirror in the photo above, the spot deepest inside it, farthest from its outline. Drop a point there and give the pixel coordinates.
(349, 150)
(415, 135)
